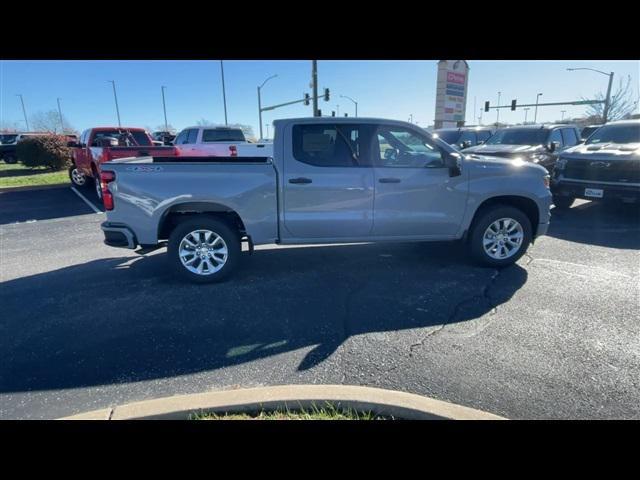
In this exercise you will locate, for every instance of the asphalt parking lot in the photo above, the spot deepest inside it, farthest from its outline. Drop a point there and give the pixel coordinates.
(86, 326)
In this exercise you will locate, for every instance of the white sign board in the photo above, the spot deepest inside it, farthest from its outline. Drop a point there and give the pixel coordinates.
(451, 93)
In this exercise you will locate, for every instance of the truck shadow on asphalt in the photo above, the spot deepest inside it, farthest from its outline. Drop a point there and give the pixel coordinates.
(603, 224)
(119, 320)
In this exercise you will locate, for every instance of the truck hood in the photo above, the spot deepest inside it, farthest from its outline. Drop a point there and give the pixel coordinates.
(504, 150)
(604, 151)
(506, 164)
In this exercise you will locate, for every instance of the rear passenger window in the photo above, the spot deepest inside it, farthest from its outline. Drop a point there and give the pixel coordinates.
(193, 135)
(326, 145)
(570, 137)
(181, 138)
(556, 136)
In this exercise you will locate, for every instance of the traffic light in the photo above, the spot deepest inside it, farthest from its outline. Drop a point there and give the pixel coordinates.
(346, 114)
(326, 94)
(306, 98)
(486, 106)
(513, 104)
(333, 113)
(319, 113)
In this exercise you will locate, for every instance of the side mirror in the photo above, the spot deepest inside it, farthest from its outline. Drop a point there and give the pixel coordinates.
(390, 154)
(465, 144)
(453, 161)
(553, 146)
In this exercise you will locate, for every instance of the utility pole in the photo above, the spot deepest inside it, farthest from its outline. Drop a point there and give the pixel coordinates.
(607, 101)
(260, 103)
(116, 99)
(562, 116)
(337, 110)
(60, 113)
(498, 110)
(164, 107)
(224, 93)
(535, 114)
(24, 110)
(474, 105)
(314, 82)
(354, 102)
(481, 116)
(411, 118)
(526, 110)
(267, 125)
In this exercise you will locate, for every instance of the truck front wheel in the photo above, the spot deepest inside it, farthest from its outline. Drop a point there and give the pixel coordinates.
(500, 236)
(77, 178)
(204, 250)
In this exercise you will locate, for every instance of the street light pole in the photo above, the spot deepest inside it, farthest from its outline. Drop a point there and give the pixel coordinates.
(498, 110)
(224, 93)
(24, 110)
(607, 101)
(164, 107)
(115, 96)
(337, 110)
(260, 103)
(354, 102)
(535, 114)
(526, 111)
(562, 116)
(314, 82)
(60, 113)
(267, 125)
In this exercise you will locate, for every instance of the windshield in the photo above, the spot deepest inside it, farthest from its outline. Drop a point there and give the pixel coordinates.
(8, 138)
(616, 134)
(124, 137)
(587, 131)
(222, 135)
(519, 136)
(449, 136)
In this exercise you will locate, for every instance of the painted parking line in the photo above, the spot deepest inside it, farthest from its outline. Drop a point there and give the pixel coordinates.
(95, 209)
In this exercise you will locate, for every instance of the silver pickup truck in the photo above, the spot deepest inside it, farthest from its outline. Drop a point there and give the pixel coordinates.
(330, 180)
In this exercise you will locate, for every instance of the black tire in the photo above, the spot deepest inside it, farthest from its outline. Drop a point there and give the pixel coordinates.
(204, 222)
(482, 222)
(78, 173)
(10, 159)
(97, 186)
(562, 202)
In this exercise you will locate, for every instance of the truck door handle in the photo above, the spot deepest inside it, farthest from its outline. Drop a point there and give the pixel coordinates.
(300, 180)
(389, 180)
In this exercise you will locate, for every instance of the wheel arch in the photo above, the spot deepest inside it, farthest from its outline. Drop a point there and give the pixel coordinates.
(177, 213)
(525, 204)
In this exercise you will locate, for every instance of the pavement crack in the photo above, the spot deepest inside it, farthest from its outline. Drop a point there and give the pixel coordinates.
(529, 258)
(484, 296)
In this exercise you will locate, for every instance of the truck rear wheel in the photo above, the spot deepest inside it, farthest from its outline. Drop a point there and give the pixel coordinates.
(500, 236)
(77, 178)
(204, 250)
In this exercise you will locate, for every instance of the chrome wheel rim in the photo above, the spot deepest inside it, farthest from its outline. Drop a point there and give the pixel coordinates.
(503, 238)
(203, 252)
(78, 177)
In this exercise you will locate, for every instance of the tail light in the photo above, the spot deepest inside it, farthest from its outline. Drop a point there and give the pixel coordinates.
(233, 151)
(106, 177)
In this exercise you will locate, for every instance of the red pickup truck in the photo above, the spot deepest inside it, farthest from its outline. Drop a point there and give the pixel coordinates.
(102, 144)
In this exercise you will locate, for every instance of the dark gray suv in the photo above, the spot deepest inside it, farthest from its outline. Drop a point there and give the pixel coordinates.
(539, 144)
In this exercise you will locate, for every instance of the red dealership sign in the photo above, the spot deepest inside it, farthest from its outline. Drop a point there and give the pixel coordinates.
(453, 77)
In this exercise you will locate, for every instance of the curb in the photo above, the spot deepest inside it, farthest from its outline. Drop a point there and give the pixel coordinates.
(402, 405)
(34, 187)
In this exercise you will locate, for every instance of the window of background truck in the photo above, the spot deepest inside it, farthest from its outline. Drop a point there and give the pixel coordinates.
(192, 136)
(182, 138)
(324, 146)
(616, 134)
(468, 135)
(399, 147)
(519, 136)
(140, 138)
(556, 136)
(222, 135)
(570, 137)
(483, 135)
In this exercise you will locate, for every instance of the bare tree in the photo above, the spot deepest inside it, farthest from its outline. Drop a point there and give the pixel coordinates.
(622, 102)
(49, 121)
(203, 122)
(11, 127)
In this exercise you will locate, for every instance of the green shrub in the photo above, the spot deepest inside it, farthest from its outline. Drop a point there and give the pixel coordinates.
(44, 151)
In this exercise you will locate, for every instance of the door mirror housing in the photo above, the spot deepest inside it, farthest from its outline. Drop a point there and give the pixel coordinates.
(553, 146)
(465, 144)
(453, 161)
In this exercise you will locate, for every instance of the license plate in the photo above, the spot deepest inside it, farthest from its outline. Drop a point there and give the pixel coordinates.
(593, 192)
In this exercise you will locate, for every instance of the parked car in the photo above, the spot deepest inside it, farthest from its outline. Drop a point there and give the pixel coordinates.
(606, 167)
(165, 137)
(9, 142)
(103, 144)
(320, 187)
(464, 137)
(587, 131)
(539, 144)
(218, 141)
